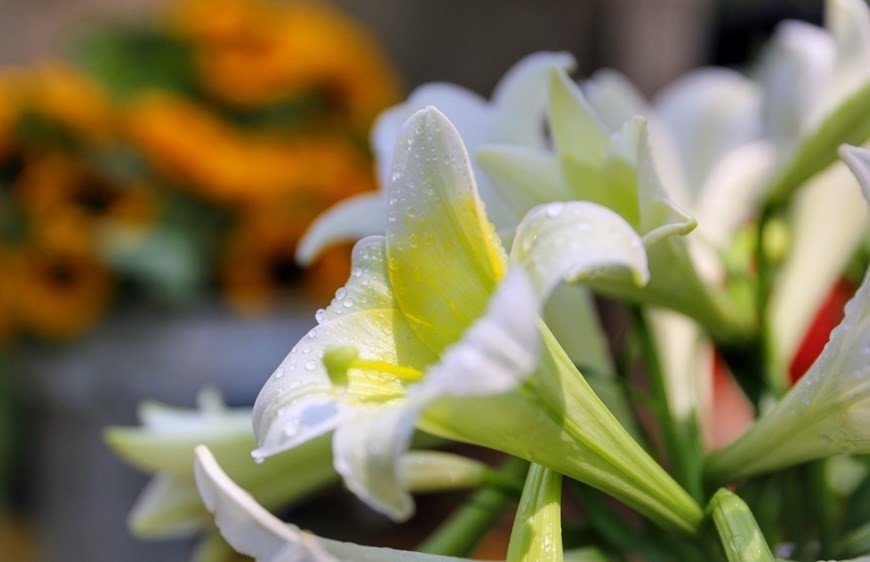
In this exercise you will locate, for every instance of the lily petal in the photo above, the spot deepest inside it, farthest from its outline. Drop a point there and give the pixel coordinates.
(614, 98)
(299, 402)
(494, 355)
(573, 241)
(434, 210)
(255, 532)
(709, 113)
(351, 219)
(577, 130)
(520, 96)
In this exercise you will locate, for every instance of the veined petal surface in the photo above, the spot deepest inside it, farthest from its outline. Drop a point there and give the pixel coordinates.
(435, 222)
(299, 401)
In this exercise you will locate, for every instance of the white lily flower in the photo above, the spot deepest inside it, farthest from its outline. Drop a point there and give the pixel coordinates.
(432, 329)
(817, 92)
(615, 168)
(514, 117)
(170, 506)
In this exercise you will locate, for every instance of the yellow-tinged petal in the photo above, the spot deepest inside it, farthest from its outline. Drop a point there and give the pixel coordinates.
(435, 222)
(300, 401)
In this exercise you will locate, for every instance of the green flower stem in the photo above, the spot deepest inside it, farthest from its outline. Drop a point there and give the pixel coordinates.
(537, 532)
(741, 538)
(682, 446)
(461, 533)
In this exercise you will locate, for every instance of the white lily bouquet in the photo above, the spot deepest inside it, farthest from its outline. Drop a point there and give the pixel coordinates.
(718, 217)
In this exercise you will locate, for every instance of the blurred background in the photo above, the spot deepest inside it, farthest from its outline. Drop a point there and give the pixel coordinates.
(159, 161)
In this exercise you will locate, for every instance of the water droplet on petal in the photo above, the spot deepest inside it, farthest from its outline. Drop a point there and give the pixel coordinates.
(310, 365)
(555, 209)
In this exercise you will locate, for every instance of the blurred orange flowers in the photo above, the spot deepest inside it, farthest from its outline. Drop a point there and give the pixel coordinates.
(170, 184)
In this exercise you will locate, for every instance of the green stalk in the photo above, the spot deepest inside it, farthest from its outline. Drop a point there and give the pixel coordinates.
(537, 532)
(682, 447)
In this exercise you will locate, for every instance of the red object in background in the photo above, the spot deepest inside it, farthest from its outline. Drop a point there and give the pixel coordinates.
(829, 315)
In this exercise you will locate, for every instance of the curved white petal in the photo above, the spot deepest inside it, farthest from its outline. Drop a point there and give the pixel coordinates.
(520, 96)
(299, 401)
(253, 531)
(709, 113)
(468, 111)
(794, 72)
(245, 524)
(731, 192)
(351, 219)
(368, 454)
(493, 356)
(849, 24)
(614, 98)
(576, 240)
(443, 254)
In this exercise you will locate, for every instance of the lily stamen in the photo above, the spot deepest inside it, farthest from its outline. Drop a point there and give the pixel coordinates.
(338, 360)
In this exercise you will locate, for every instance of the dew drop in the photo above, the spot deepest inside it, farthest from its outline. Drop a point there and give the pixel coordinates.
(320, 315)
(279, 372)
(348, 303)
(555, 209)
(306, 349)
(310, 365)
(341, 293)
(291, 428)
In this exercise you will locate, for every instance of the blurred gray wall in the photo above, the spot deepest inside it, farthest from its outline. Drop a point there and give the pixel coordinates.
(469, 42)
